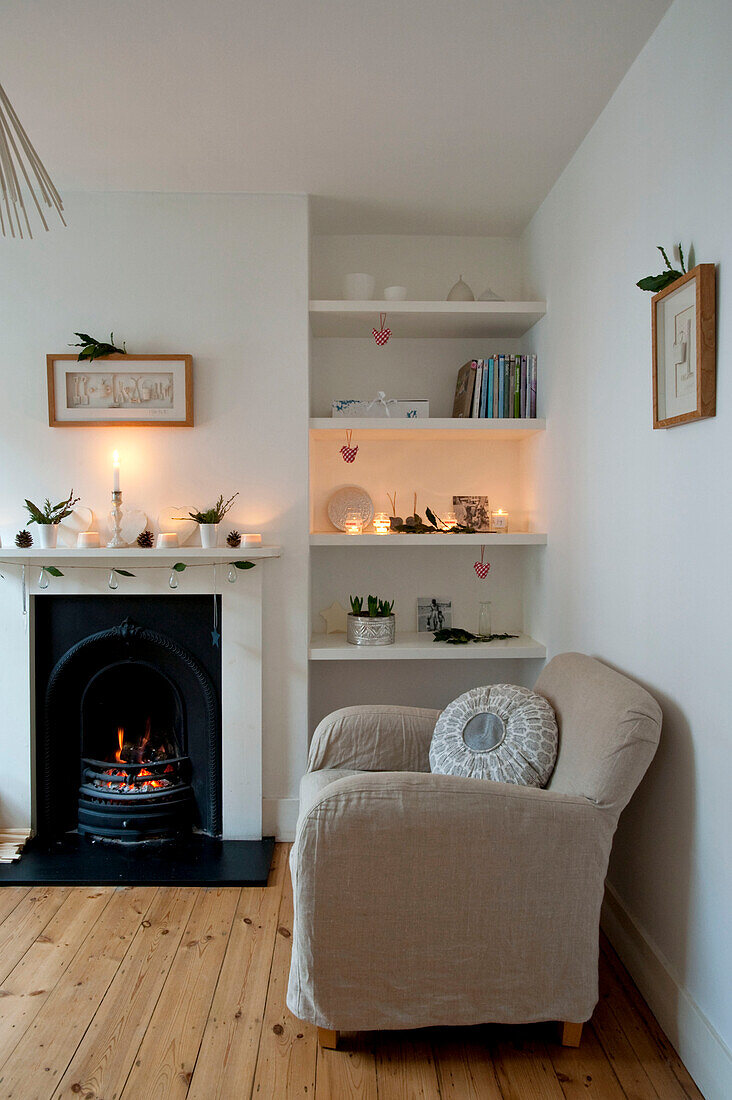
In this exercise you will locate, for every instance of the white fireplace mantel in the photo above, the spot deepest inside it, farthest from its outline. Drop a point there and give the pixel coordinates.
(86, 572)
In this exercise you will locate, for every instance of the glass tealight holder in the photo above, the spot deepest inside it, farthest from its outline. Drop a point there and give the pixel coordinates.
(484, 618)
(381, 523)
(499, 522)
(450, 520)
(354, 523)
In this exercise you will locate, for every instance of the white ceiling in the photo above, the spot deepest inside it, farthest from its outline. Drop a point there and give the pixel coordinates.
(399, 116)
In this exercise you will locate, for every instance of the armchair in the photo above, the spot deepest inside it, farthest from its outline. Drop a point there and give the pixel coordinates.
(424, 899)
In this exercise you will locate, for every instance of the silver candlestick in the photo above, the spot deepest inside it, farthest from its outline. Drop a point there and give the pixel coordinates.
(116, 539)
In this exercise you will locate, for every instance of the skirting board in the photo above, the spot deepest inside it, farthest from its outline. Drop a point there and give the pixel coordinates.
(703, 1051)
(279, 817)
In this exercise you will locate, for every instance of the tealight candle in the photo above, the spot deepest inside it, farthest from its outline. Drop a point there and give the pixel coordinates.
(450, 520)
(251, 540)
(354, 523)
(381, 523)
(499, 522)
(166, 540)
(88, 540)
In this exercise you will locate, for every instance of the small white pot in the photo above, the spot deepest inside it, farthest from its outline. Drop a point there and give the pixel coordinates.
(47, 535)
(209, 535)
(395, 293)
(358, 287)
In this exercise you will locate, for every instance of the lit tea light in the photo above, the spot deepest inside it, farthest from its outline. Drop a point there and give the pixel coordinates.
(499, 522)
(381, 523)
(251, 540)
(88, 540)
(166, 540)
(354, 524)
(449, 520)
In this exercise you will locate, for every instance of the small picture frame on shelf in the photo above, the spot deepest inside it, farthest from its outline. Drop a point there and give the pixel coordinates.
(120, 389)
(683, 324)
(433, 613)
(473, 511)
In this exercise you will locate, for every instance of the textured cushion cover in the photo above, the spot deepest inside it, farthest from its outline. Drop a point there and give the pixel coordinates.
(502, 732)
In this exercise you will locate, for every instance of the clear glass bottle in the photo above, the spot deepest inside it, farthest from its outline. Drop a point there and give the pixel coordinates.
(484, 617)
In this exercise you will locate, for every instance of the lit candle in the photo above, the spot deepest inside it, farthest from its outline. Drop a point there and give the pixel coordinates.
(450, 520)
(87, 540)
(115, 472)
(251, 540)
(354, 524)
(499, 522)
(166, 540)
(381, 523)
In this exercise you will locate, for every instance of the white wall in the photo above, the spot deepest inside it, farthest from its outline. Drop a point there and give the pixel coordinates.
(225, 278)
(637, 567)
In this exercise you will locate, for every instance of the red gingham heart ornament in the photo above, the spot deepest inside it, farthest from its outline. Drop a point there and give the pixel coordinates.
(349, 453)
(482, 567)
(381, 335)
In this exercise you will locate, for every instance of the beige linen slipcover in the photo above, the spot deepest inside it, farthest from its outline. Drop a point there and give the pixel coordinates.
(426, 899)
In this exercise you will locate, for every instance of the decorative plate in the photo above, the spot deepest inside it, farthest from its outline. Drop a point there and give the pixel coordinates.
(186, 528)
(351, 498)
(80, 520)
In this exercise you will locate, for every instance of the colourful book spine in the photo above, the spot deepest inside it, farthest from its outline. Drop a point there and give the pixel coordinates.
(489, 393)
(516, 411)
(484, 395)
(496, 373)
(522, 400)
(533, 387)
(478, 389)
(501, 382)
(507, 388)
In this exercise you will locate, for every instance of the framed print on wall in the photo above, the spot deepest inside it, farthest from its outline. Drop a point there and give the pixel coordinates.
(120, 389)
(683, 322)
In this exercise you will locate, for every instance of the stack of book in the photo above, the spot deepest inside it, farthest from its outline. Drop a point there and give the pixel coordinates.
(502, 386)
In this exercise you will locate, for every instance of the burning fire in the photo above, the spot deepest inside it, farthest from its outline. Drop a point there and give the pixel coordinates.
(133, 780)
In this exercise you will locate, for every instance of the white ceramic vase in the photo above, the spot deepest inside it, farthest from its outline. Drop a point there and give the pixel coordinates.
(209, 535)
(358, 287)
(47, 536)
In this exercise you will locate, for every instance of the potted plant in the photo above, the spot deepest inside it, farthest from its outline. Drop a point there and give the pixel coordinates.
(48, 518)
(209, 520)
(374, 626)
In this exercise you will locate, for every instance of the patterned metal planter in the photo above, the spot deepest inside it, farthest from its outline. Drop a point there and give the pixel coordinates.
(363, 630)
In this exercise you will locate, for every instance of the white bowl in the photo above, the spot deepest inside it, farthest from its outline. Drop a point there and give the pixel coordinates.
(358, 287)
(395, 293)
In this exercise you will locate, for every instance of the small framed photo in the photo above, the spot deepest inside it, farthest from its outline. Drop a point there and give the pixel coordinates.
(473, 511)
(433, 613)
(120, 389)
(683, 323)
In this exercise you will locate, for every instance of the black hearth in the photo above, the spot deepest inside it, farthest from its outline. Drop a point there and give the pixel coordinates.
(128, 718)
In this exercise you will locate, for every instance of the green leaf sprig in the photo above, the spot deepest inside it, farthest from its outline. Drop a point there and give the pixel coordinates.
(96, 349)
(654, 283)
(458, 636)
(376, 608)
(214, 514)
(51, 513)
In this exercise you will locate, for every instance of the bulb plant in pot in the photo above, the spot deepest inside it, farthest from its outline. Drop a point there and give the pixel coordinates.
(48, 518)
(374, 626)
(208, 521)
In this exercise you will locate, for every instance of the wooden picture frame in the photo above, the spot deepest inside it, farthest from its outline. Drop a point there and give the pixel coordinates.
(97, 394)
(683, 324)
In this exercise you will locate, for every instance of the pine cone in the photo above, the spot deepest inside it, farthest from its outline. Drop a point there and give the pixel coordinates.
(233, 539)
(145, 540)
(24, 540)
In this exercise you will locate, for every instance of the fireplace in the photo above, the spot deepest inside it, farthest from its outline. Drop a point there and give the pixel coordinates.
(128, 693)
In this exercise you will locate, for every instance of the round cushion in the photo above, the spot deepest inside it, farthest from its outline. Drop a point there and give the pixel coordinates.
(502, 732)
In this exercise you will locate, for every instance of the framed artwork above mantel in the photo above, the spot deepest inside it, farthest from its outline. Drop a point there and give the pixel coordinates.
(120, 389)
(683, 323)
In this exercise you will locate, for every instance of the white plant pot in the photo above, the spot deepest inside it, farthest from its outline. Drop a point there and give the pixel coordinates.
(209, 535)
(358, 287)
(47, 535)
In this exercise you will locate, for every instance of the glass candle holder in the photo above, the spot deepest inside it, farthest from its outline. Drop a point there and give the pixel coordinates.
(381, 523)
(450, 520)
(499, 522)
(354, 523)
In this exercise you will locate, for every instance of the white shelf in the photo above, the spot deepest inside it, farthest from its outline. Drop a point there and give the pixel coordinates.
(133, 556)
(482, 538)
(422, 647)
(431, 427)
(420, 320)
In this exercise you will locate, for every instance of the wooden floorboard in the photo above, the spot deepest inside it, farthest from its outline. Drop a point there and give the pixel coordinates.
(179, 994)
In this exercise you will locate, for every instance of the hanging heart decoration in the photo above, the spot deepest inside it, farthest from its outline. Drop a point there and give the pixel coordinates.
(348, 452)
(381, 335)
(482, 567)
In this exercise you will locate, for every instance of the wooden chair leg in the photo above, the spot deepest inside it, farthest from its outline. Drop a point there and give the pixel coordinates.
(571, 1034)
(328, 1040)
